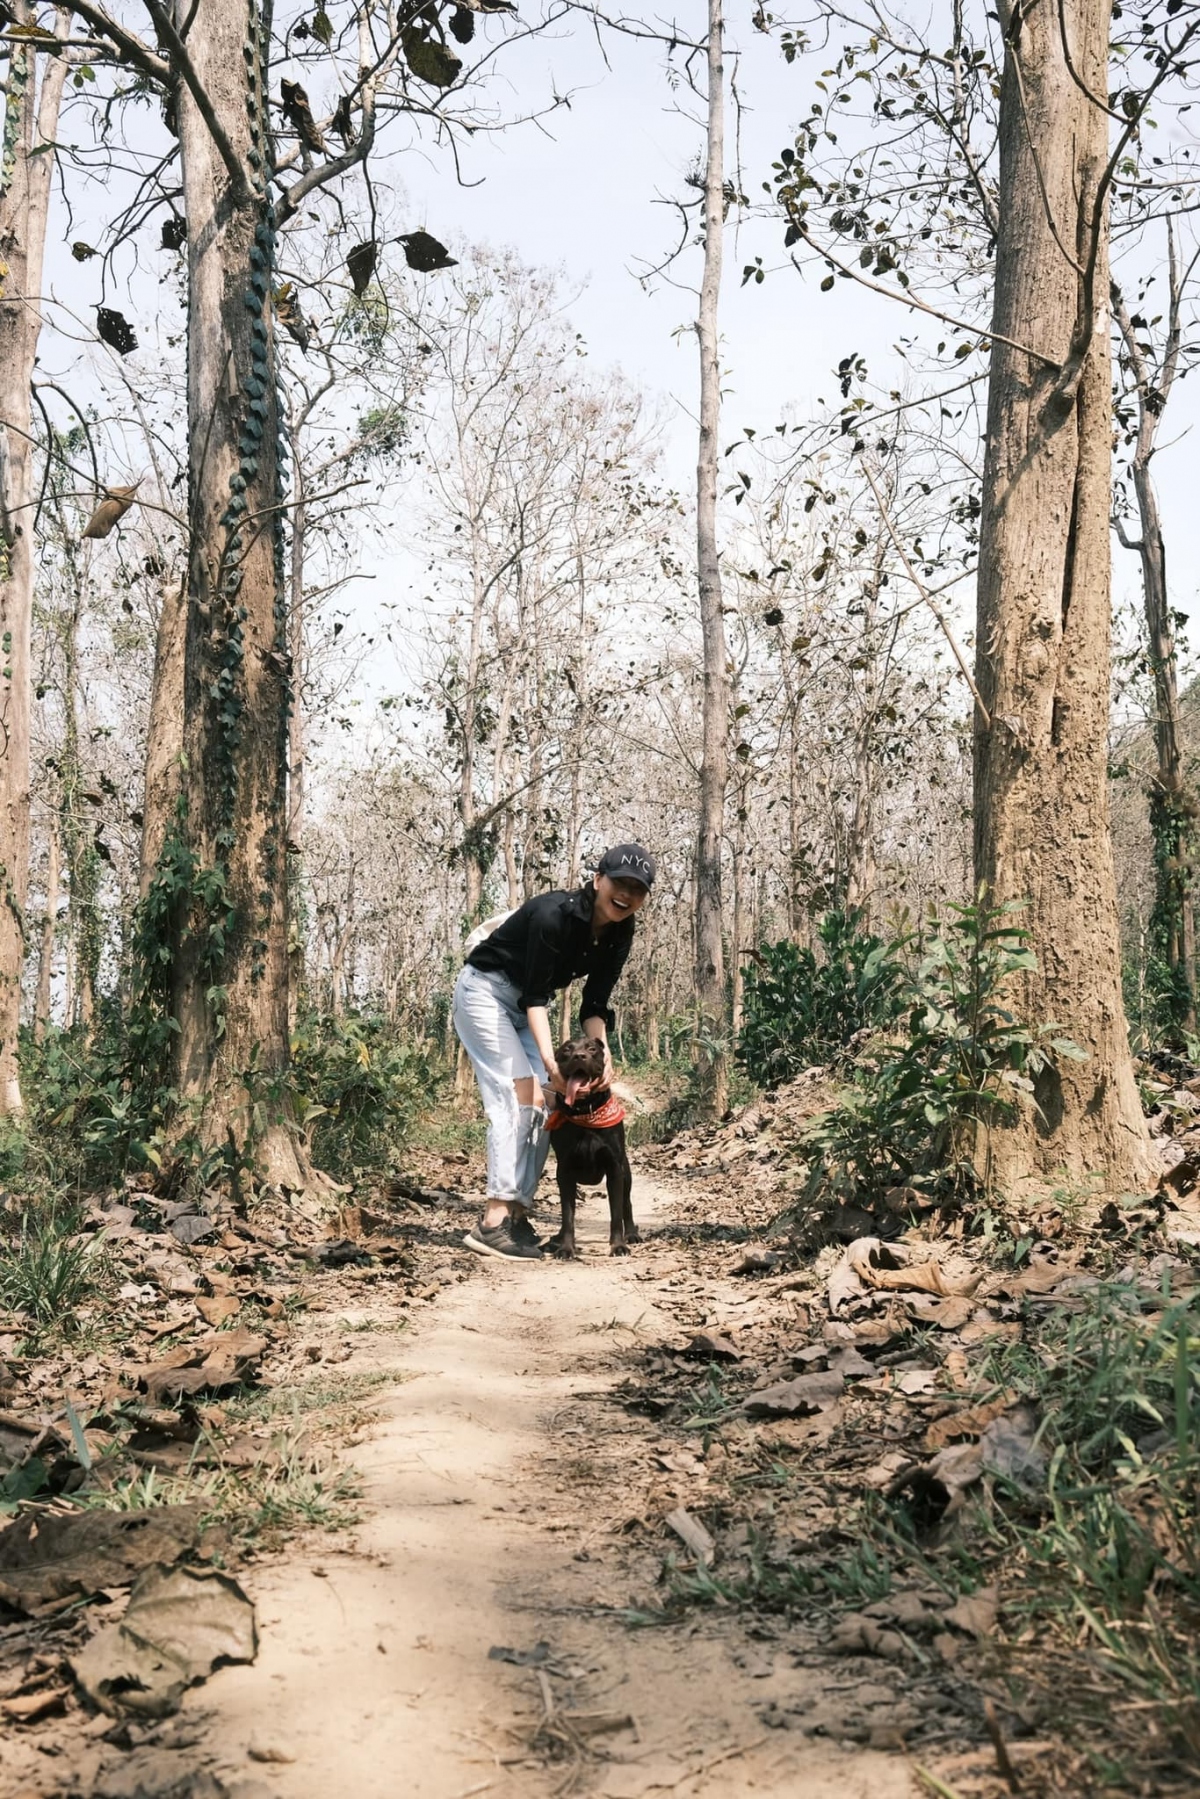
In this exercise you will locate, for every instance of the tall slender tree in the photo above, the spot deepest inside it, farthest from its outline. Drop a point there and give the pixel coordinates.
(1149, 379)
(32, 98)
(714, 764)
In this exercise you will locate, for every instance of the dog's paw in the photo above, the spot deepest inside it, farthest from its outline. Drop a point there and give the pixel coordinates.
(618, 1249)
(632, 1234)
(566, 1252)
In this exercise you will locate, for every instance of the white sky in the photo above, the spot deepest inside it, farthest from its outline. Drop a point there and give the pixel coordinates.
(585, 198)
(584, 194)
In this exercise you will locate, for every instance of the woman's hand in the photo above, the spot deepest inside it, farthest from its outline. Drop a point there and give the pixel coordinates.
(608, 1077)
(555, 1078)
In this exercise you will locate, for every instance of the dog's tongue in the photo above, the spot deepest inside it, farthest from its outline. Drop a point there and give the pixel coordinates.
(575, 1086)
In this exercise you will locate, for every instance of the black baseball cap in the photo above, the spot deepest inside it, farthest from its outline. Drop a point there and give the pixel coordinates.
(628, 862)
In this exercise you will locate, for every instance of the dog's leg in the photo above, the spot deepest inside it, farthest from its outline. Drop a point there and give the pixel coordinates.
(615, 1181)
(632, 1233)
(563, 1244)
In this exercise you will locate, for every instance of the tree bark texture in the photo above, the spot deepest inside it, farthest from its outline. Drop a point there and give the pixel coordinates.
(78, 831)
(1041, 795)
(41, 1008)
(164, 734)
(230, 960)
(1172, 805)
(31, 107)
(714, 767)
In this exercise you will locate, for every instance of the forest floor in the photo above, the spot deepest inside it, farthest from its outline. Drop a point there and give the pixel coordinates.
(612, 1527)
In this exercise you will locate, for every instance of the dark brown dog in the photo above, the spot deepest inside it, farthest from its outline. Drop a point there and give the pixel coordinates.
(586, 1154)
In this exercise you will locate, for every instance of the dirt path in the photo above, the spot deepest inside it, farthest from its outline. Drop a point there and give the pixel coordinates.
(488, 1495)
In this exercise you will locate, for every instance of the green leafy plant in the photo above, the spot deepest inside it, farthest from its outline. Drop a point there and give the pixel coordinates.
(799, 1010)
(47, 1270)
(925, 1096)
(89, 1117)
(357, 1090)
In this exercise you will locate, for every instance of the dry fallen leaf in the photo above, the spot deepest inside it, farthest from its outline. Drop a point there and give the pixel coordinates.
(25, 1709)
(113, 507)
(216, 1310)
(789, 1398)
(977, 1613)
(967, 1423)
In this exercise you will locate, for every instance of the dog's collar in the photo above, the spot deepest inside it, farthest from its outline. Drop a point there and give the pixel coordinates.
(600, 1117)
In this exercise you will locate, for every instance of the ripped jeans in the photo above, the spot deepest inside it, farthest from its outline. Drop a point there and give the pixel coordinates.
(496, 1036)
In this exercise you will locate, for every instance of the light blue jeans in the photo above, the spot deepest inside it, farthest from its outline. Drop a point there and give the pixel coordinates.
(496, 1036)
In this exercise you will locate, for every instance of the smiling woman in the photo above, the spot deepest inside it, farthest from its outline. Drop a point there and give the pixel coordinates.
(500, 1014)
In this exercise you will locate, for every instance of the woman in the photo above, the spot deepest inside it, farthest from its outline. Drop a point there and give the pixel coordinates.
(501, 1016)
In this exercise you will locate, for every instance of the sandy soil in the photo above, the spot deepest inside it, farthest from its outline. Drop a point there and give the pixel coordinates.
(488, 1497)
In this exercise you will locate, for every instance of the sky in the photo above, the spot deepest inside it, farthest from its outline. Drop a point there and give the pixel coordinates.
(593, 190)
(589, 191)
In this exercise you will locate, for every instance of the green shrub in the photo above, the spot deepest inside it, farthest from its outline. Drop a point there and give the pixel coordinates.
(925, 1096)
(358, 1091)
(354, 1086)
(88, 1119)
(799, 1010)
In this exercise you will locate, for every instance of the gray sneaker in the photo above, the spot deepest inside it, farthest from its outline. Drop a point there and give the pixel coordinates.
(498, 1240)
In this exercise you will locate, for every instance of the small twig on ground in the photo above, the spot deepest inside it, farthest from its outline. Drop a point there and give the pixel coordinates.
(714, 1761)
(933, 1784)
(1008, 1773)
(548, 1707)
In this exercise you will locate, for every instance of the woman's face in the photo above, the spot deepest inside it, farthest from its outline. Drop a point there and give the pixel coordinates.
(617, 899)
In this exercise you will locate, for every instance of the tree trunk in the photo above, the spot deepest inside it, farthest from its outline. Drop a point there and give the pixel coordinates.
(653, 1050)
(297, 651)
(710, 965)
(860, 838)
(164, 735)
(1172, 806)
(230, 961)
(30, 123)
(41, 1009)
(475, 856)
(737, 982)
(1041, 792)
(78, 830)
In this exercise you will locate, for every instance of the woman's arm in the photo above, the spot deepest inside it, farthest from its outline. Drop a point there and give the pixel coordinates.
(596, 1027)
(539, 1024)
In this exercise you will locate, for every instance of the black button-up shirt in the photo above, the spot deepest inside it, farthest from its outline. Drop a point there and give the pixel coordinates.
(549, 942)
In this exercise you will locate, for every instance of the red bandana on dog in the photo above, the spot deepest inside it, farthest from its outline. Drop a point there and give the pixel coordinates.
(602, 1119)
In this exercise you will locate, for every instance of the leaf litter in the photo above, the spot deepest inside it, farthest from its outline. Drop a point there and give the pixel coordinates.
(967, 1453)
(159, 1438)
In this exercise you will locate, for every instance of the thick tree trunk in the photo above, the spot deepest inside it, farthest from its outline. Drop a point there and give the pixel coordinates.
(1041, 794)
(230, 962)
(30, 123)
(164, 735)
(41, 1009)
(714, 767)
